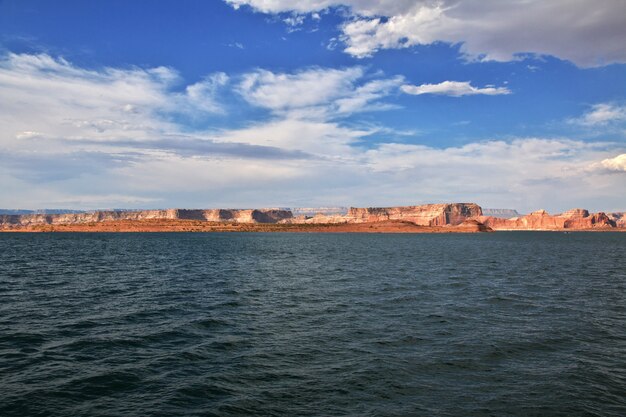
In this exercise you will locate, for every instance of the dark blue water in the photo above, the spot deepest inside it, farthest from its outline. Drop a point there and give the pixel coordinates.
(313, 324)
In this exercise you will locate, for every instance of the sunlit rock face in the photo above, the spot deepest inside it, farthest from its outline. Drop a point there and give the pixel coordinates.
(469, 215)
(576, 213)
(213, 215)
(577, 219)
(424, 215)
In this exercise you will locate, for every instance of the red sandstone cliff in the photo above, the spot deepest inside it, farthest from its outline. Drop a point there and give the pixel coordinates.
(424, 215)
(578, 219)
(468, 215)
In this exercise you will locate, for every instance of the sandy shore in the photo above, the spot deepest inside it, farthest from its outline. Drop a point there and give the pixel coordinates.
(202, 226)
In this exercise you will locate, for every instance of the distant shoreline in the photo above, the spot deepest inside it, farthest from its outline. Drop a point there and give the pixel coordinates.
(190, 226)
(166, 225)
(428, 218)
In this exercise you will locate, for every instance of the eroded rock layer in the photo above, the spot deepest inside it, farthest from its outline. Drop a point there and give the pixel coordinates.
(426, 215)
(576, 219)
(213, 215)
(453, 215)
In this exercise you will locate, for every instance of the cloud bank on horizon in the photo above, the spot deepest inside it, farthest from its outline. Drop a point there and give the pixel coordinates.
(425, 101)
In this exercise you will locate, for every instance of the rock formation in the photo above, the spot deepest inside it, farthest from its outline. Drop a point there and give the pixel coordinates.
(619, 218)
(214, 215)
(578, 219)
(593, 221)
(576, 213)
(455, 216)
(425, 215)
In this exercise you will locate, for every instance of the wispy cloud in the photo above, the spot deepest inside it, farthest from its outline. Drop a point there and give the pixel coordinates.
(601, 114)
(453, 89)
(317, 92)
(75, 103)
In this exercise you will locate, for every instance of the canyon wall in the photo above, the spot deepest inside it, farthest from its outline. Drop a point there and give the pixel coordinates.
(213, 215)
(576, 219)
(424, 215)
(428, 215)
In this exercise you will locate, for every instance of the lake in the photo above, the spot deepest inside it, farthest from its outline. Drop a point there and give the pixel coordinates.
(240, 324)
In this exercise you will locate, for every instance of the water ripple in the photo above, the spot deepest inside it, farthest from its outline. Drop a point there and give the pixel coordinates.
(519, 324)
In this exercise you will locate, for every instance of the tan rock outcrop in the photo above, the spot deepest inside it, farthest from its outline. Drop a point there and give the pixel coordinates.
(424, 215)
(576, 213)
(213, 215)
(596, 220)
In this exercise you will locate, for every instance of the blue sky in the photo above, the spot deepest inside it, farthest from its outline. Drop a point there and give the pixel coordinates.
(250, 103)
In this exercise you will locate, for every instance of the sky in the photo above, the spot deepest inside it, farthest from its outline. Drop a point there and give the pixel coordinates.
(274, 103)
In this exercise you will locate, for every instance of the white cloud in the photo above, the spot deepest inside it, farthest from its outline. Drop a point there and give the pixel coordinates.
(454, 89)
(323, 139)
(588, 33)
(524, 173)
(602, 114)
(278, 6)
(75, 103)
(316, 92)
(294, 21)
(237, 45)
(313, 87)
(617, 164)
(202, 95)
(77, 138)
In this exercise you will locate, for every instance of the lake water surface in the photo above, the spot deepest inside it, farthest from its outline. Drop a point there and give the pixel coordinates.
(512, 323)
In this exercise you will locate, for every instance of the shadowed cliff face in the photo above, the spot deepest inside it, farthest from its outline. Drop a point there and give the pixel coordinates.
(618, 218)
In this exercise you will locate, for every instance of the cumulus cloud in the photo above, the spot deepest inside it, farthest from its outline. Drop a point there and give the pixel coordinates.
(602, 114)
(584, 32)
(617, 164)
(83, 138)
(454, 89)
